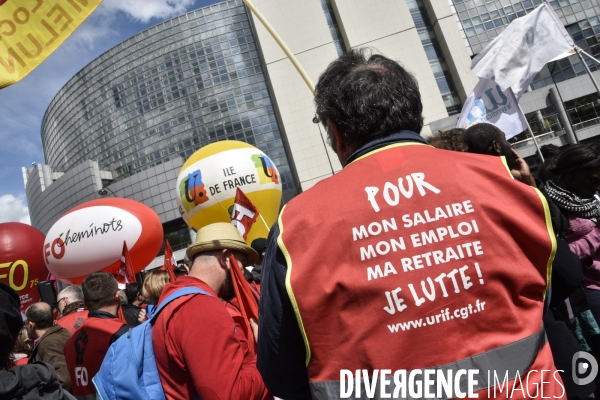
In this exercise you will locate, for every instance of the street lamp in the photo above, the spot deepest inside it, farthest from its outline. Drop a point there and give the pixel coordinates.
(104, 192)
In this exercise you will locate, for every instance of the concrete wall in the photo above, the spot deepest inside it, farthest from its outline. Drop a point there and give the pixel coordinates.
(384, 25)
(453, 43)
(303, 27)
(154, 187)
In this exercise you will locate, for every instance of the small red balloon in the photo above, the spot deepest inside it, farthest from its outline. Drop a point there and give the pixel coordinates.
(22, 260)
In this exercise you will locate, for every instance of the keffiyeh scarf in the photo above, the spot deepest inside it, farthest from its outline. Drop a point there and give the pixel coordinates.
(567, 201)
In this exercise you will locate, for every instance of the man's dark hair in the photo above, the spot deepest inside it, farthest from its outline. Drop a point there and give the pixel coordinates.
(578, 157)
(132, 290)
(480, 137)
(41, 315)
(99, 290)
(368, 96)
(550, 150)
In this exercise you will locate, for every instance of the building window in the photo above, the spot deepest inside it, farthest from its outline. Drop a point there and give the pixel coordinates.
(586, 35)
(435, 56)
(583, 112)
(178, 235)
(483, 21)
(336, 34)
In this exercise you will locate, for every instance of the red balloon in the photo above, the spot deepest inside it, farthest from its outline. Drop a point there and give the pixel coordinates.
(22, 260)
(90, 238)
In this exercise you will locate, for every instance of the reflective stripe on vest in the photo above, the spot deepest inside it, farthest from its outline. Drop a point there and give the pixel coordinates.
(507, 360)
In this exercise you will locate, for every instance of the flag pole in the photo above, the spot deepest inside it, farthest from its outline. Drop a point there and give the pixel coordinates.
(537, 146)
(222, 206)
(264, 222)
(588, 55)
(292, 58)
(281, 44)
(587, 69)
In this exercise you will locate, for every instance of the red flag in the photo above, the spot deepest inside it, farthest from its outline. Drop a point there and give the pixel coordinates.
(170, 262)
(244, 213)
(122, 315)
(126, 274)
(246, 300)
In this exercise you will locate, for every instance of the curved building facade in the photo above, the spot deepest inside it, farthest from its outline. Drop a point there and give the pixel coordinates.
(128, 120)
(125, 123)
(164, 93)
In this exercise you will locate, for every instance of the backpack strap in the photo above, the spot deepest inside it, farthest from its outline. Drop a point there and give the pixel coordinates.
(175, 295)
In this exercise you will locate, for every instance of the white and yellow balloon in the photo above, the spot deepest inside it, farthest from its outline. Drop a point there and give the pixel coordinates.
(207, 184)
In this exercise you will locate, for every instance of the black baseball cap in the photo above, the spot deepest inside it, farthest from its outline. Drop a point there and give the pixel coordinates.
(260, 246)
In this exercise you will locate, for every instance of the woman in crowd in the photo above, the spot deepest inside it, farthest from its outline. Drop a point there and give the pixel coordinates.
(154, 283)
(575, 180)
(23, 348)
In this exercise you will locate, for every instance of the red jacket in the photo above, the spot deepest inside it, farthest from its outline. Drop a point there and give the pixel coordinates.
(73, 321)
(200, 351)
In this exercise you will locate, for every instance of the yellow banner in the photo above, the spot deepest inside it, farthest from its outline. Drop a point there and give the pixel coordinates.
(30, 30)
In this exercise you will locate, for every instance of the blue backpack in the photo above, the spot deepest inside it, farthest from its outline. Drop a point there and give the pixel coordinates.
(129, 369)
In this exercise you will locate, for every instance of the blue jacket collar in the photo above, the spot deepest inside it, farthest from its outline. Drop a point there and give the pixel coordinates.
(399, 137)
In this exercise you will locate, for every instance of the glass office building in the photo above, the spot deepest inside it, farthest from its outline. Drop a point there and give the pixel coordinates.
(163, 94)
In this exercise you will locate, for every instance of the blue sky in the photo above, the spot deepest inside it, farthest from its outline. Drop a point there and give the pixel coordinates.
(23, 104)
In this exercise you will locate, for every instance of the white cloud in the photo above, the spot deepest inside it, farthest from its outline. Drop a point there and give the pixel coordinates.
(92, 33)
(14, 209)
(146, 10)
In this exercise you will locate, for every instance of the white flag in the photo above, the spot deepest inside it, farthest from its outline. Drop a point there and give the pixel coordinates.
(522, 50)
(489, 104)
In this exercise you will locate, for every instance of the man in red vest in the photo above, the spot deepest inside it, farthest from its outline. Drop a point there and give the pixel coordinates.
(413, 272)
(87, 347)
(71, 308)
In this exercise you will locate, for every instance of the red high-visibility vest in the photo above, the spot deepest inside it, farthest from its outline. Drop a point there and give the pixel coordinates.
(85, 351)
(73, 321)
(413, 257)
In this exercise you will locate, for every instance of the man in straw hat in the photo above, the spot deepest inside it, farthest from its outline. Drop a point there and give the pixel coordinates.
(199, 350)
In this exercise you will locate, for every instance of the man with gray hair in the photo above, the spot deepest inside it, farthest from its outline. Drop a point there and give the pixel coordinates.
(68, 295)
(71, 308)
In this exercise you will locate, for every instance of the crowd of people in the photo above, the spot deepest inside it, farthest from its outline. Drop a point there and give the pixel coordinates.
(538, 270)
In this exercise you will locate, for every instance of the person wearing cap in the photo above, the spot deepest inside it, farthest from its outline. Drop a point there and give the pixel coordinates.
(260, 246)
(32, 381)
(200, 351)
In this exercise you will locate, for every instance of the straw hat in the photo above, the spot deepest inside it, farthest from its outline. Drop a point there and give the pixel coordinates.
(221, 235)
